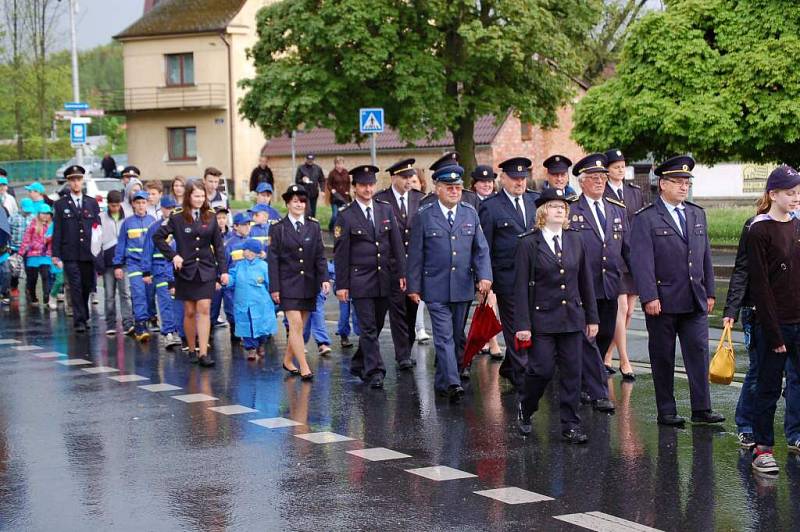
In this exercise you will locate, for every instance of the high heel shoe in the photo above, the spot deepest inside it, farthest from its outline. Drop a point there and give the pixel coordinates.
(610, 370)
(630, 377)
(307, 377)
(293, 372)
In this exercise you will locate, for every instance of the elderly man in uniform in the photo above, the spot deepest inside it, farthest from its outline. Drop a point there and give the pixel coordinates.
(75, 214)
(447, 255)
(603, 227)
(558, 176)
(449, 159)
(369, 257)
(504, 217)
(671, 264)
(402, 311)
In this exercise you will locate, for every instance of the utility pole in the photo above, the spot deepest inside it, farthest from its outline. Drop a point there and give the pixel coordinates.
(76, 87)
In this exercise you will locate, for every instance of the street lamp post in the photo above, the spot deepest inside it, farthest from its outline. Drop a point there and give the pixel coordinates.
(76, 90)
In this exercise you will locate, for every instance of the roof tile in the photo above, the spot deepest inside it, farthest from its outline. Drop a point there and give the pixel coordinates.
(184, 16)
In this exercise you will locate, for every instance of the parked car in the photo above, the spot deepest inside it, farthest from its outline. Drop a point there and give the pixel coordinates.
(96, 187)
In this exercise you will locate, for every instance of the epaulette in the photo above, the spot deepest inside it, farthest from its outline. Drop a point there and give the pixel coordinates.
(644, 208)
(634, 185)
(424, 207)
(529, 232)
(273, 221)
(176, 211)
(380, 201)
(345, 207)
(531, 190)
(692, 203)
(616, 202)
(416, 192)
(311, 218)
(465, 204)
(572, 199)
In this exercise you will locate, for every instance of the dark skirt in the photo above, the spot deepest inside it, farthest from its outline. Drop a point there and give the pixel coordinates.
(309, 304)
(627, 285)
(195, 289)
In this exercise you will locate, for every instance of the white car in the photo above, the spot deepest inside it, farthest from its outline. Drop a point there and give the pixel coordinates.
(96, 187)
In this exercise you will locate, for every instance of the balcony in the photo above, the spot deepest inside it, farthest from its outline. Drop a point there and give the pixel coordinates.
(199, 96)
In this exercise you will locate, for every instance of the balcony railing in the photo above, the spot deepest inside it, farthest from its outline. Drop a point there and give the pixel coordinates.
(199, 96)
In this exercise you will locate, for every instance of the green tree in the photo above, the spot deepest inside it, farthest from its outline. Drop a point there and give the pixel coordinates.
(717, 78)
(434, 65)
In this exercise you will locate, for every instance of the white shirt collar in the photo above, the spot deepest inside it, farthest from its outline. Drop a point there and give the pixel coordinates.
(445, 210)
(397, 196)
(364, 208)
(614, 187)
(512, 197)
(670, 207)
(301, 219)
(548, 237)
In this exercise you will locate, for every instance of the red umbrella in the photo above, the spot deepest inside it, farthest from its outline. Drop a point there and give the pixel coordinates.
(484, 327)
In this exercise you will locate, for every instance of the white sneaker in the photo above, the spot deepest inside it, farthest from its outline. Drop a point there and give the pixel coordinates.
(422, 336)
(111, 332)
(171, 340)
(52, 305)
(764, 462)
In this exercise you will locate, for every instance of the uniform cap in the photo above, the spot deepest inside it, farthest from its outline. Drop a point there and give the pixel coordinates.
(483, 172)
(131, 171)
(251, 244)
(550, 194)
(448, 159)
(168, 202)
(678, 166)
(293, 190)
(517, 167)
(74, 171)
(613, 156)
(557, 164)
(783, 177)
(242, 218)
(449, 175)
(364, 174)
(591, 164)
(404, 168)
(263, 187)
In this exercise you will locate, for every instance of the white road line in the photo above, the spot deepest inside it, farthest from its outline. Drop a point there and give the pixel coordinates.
(600, 522)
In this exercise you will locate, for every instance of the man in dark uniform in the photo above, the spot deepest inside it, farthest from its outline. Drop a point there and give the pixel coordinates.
(310, 175)
(367, 244)
(603, 227)
(402, 311)
(447, 256)
(671, 264)
(558, 176)
(449, 159)
(618, 188)
(74, 215)
(504, 217)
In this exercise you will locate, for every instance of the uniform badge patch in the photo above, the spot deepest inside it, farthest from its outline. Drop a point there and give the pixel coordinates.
(617, 221)
(260, 280)
(187, 230)
(337, 231)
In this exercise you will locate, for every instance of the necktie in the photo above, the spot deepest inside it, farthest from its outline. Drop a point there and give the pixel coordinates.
(620, 195)
(196, 216)
(298, 225)
(519, 211)
(450, 218)
(682, 218)
(600, 216)
(370, 220)
(78, 203)
(557, 247)
(402, 207)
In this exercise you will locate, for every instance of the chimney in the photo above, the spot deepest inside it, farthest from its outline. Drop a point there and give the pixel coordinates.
(149, 4)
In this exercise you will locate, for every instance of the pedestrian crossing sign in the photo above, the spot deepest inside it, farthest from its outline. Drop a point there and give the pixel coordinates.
(370, 120)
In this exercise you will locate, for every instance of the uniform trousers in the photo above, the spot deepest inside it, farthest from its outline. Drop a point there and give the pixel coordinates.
(594, 380)
(692, 330)
(315, 324)
(402, 319)
(447, 324)
(514, 363)
(548, 351)
(165, 301)
(216, 306)
(80, 279)
(141, 294)
(367, 360)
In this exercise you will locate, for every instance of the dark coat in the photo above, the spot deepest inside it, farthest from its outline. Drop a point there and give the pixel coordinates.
(669, 267)
(261, 175)
(72, 230)
(467, 196)
(363, 255)
(199, 244)
(297, 266)
(314, 174)
(632, 195)
(414, 197)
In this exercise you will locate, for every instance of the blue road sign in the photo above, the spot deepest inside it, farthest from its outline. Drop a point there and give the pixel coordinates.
(370, 120)
(77, 133)
(75, 106)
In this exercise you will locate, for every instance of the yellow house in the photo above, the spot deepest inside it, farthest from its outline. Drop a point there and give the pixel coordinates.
(183, 60)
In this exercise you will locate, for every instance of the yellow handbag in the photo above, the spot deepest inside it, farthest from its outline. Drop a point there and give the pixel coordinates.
(723, 365)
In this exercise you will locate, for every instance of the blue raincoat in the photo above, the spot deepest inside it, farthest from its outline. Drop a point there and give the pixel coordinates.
(253, 309)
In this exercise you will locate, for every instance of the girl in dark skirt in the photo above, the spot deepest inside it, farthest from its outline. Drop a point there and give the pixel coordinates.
(199, 261)
(297, 272)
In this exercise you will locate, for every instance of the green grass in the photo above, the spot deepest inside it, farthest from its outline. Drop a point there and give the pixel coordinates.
(323, 210)
(725, 224)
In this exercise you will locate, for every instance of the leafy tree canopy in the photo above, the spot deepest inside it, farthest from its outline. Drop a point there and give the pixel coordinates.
(717, 78)
(434, 65)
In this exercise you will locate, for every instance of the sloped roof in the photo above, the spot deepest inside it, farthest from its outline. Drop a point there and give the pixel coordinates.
(320, 141)
(170, 17)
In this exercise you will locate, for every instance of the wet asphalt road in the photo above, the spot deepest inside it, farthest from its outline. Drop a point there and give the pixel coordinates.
(80, 451)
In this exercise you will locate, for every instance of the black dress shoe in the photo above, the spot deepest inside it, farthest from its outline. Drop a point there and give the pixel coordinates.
(442, 393)
(523, 421)
(193, 358)
(376, 382)
(405, 364)
(307, 377)
(603, 405)
(357, 373)
(456, 392)
(465, 373)
(585, 398)
(707, 416)
(345, 343)
(575, 436)
(610, 370)
(206, 361)
(293, 372)
(629, 377)
(80, 328)
(496, 356)
(671, 420)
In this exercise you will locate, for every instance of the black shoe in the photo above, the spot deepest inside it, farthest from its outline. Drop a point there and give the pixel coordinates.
(455, 392)
(235, 340)
(307, 377)
(523, 421)
(80, 328)
(707, 416)
(193, 358)
(357, 373)
(585, 398)
(405, 364)
(465, 373)
(442, 393)
(610, 370)
(130, 330)
(376, 382)
(603, 405)
(496, 356)
(629, 377)
(206, 361)
(575, 436)
(293, 372)
(345, 343)
(671, 420)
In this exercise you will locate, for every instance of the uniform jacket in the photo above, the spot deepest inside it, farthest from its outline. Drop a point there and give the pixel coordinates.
(502, 227)
(560, 297)
(296, 260)
(445, 262)
(234, 251)
(131, 241)
(467, 196)
(667, 266)
(72, 230)
(315, 176)
(253, 310)
(153, 261)
(368, 260)
(632, 195)
(261, 233)
(199, 244)
(609, 257)
(412, 206)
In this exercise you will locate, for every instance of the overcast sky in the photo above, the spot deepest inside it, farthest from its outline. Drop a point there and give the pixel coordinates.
(98, 21)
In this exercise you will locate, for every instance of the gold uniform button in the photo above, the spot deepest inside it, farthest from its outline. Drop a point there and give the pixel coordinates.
(604, 258)
(300, 250)
(301, 261)
(405, 244)
(563, 301)
(537, 308)
(197, 249)
(561, 271)
(377, 243)
(658, 282)
(197, 259)
(406, 231)
(604, 270)
(690, 278)
(81, 240)
(690, 264)
(563, 287)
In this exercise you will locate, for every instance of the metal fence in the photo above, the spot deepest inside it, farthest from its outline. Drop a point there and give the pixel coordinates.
(37, 169)
(201, 95)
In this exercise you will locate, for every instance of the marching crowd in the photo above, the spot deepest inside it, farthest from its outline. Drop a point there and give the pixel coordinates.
(562, 270)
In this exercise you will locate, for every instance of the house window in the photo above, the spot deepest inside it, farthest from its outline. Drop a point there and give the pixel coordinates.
(182, 143)
(180, 69)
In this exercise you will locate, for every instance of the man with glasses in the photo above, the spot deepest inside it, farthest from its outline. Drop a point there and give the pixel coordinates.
(671, 264)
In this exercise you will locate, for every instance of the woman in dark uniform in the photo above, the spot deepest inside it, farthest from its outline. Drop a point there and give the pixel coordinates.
(554, 284)
(199, 260)
(297, 272)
